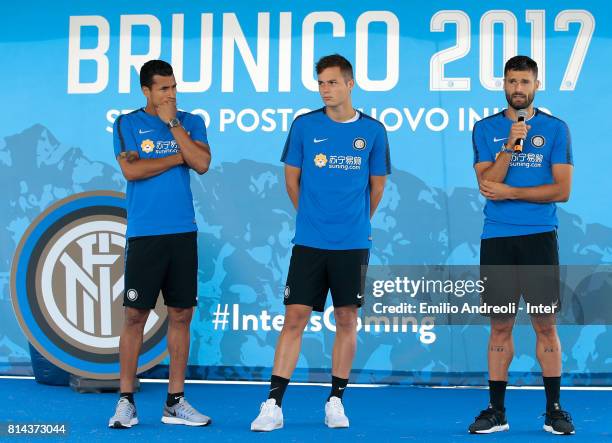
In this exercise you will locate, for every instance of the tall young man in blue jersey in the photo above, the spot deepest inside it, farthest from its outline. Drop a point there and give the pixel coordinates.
(336, 162)
(156, 146)
(521, 184)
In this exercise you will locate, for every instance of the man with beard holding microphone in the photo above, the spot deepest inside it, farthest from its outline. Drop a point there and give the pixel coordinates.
(524, 166)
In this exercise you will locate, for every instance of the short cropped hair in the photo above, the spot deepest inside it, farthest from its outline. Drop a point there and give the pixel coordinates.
(154, 67)
(521, 63)
(335, 61)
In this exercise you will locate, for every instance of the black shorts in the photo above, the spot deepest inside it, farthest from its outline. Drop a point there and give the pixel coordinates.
(314, 272)
(166, 263)
(526, 265)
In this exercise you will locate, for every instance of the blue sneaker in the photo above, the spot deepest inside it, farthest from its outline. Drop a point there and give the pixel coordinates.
(183, 413)
(125, 415)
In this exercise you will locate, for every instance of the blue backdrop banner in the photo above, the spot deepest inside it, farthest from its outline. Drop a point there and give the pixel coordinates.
(428, 71)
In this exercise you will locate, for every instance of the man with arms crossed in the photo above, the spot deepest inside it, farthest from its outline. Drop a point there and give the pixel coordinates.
(155, 147)
(521, 183)
(336, 163)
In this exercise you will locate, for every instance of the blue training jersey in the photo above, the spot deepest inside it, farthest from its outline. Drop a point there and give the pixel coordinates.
(548, 142)
(162, 204)
(336, 161)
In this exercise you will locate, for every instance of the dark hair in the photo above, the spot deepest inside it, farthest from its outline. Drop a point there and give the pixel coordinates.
(521, 63)
(333, 61)
(151, 68)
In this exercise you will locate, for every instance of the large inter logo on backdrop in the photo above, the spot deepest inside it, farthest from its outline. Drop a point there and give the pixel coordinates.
(67, 286)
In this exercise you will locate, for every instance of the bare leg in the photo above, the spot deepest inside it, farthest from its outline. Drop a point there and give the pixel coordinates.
(501, 348)
(129, 346)
(548, 346)
(290, 340)
(345, 342)
(178, 346)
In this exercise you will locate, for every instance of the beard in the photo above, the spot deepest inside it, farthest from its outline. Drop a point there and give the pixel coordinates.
(520, 101)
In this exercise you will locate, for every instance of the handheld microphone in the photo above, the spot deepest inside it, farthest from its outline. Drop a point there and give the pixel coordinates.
(518, 144)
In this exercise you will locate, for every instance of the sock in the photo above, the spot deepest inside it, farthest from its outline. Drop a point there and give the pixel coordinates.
(128, 395)
(552, 386)
(277, 388)
(338, 386)
(497, 392)
(173, 399)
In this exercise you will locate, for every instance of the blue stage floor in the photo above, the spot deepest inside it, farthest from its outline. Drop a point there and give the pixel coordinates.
(377, 414)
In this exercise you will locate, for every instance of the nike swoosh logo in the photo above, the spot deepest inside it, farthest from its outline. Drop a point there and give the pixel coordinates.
(273, 389)
(495, 139)
(359, 296)
(319, 140)
(140, 131)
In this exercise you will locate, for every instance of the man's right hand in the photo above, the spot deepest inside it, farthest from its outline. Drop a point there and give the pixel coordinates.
(517, 130)
(167, 110)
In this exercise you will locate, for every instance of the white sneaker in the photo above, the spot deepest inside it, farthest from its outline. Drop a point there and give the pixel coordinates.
(334, 414)
(270, 417)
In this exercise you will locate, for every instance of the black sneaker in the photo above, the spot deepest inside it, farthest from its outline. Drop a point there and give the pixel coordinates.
(490, 420)
(558, 421)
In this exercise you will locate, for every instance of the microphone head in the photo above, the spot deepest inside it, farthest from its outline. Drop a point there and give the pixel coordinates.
(521, 114)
